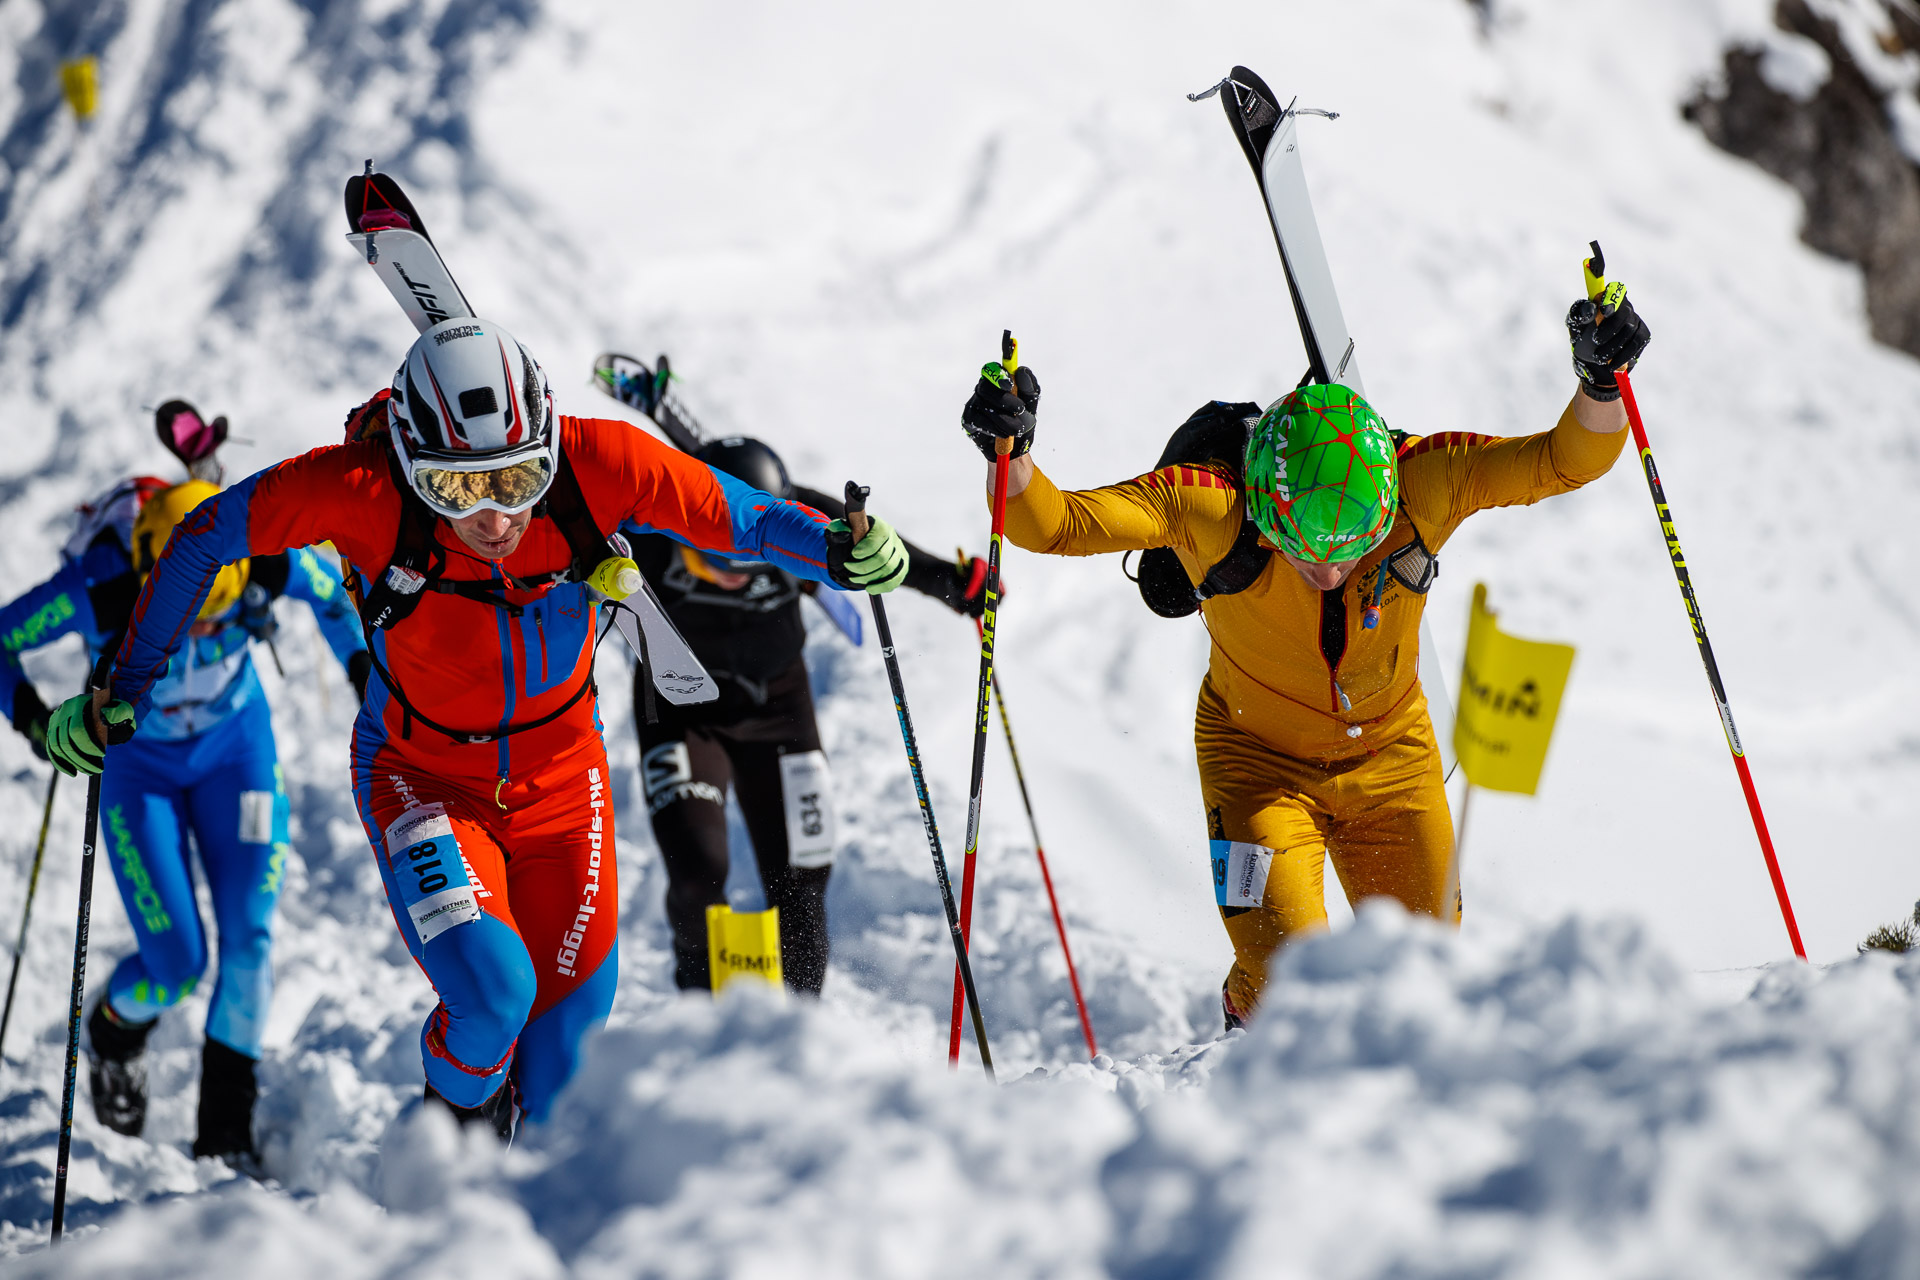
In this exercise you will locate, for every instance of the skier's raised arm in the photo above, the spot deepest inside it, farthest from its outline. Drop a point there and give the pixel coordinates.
(641, 483)
(1152, 510)
(336, 493)
(958, 584)
(1477, 472)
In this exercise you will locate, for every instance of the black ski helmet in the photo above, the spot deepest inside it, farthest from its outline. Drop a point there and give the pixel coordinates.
(745, 458)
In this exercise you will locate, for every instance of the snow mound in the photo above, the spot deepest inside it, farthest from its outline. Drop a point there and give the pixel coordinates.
(1561, 1102)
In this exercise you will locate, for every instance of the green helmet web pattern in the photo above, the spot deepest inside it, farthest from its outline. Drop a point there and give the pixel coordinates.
(1322, 481)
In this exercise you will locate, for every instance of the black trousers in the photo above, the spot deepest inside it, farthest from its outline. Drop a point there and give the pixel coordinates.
(688, 759)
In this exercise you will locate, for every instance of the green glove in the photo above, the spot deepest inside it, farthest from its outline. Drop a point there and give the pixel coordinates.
(876, 564)
(71, 745)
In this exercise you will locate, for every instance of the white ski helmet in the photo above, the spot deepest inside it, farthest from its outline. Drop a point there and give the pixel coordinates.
(472, 420)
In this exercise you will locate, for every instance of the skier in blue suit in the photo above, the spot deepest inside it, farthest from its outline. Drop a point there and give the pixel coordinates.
(203, 762)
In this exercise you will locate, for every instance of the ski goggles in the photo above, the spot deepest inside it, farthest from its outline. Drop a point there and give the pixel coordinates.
(510, 489)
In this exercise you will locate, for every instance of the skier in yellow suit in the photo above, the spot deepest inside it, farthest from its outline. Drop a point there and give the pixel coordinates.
(1307, 540)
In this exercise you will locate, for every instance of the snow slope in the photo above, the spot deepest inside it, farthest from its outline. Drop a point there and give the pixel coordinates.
(827, 214)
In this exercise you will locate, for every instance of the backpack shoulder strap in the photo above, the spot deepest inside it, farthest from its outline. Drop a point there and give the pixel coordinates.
(568, 507)
(1215, 433)
(418, 560)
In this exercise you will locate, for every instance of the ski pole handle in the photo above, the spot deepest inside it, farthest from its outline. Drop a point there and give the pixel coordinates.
(1010, 361)
(1595, 270)
(99, 686)
(857, 509)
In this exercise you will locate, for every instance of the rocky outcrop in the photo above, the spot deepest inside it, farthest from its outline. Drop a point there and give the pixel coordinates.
(1839, 149)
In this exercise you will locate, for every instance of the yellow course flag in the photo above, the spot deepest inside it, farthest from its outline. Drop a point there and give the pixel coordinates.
(742, 944)
(80, 81)
(1509, 695)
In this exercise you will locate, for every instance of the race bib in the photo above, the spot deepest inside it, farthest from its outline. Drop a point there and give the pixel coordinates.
(807, 789)
(430, 873)
(256, 817)
(1240, 873)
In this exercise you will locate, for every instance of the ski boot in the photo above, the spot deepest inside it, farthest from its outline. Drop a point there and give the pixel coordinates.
(1234, 1019)
(496, 1112)
(117, 1069)
(227, 1094)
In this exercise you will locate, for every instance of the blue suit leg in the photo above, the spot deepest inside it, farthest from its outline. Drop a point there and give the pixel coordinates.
(479, 968)
(485, 980)
(143, 834)
(550, 1046)
(238, 812)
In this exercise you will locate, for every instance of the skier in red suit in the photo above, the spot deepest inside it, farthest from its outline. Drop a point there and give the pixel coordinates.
(471, 516)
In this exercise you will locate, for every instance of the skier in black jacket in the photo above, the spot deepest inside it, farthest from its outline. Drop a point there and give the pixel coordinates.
(743, 621)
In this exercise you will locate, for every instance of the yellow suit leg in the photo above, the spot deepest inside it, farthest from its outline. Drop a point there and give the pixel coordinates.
(1391, 834)
(1383, 819)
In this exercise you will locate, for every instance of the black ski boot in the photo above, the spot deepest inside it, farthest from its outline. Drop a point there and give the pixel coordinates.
(227, 1094)
(1234, 1020)
(496, 1112)
(117, 1069)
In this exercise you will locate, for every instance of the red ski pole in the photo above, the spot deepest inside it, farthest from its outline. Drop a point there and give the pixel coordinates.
(1003, 451)
(1596, 280)
(1046, 876)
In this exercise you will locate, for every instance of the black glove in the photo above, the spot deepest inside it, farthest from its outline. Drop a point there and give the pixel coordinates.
(30, 717)
(970, 588)
(256, 613)
(1002, 405)
(1608, 336)
(359, 667)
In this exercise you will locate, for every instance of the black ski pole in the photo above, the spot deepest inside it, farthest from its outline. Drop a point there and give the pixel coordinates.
(976, 787)
(26, 913)
(98, 688)
(857, 521)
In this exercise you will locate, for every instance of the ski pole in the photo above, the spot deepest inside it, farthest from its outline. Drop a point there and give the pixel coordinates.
(26, 913)
(1040, 852)
(1595, 269)
(98, 686)
(1003, 455)
(857, 521)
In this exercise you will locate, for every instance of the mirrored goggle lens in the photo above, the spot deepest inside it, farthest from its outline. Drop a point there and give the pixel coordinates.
(512, 487)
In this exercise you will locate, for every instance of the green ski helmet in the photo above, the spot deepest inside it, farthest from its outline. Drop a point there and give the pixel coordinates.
(1322, 481)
